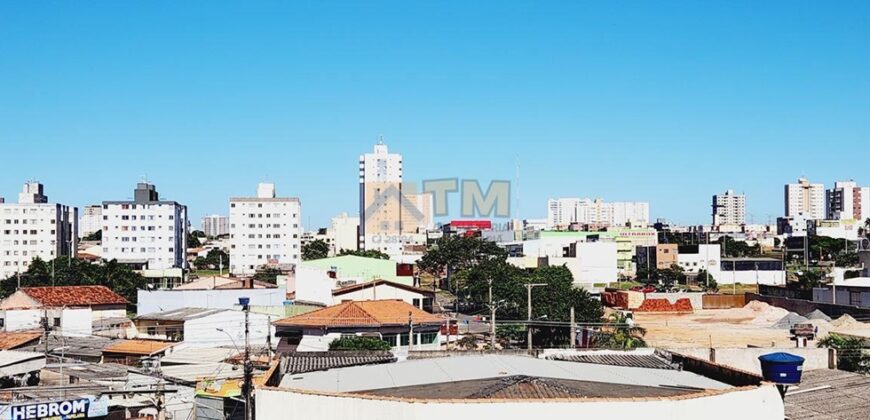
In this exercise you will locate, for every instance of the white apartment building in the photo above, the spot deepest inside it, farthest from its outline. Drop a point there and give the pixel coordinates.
(562, 212)
(91, 220)
(390, 215)
(215, 225)
(264, 230)
(146, 233)
(729, 209)
(847, 201)
(805, 197)
(35, 228)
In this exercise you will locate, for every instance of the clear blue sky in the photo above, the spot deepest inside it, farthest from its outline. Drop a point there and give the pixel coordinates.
(668, 102)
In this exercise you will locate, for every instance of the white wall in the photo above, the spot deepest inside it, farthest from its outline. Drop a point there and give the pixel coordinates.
(770, 278)
(763, 403)
(313, 284)
(167, 300)
(74, 322)
(381, 291)
(708, 258)
(202, 332)
(747, 358)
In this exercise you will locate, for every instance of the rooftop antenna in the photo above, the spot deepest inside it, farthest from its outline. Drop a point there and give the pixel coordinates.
(517, 188)
(381, 139)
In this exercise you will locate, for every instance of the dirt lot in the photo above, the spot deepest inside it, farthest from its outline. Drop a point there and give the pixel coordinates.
(741, 327)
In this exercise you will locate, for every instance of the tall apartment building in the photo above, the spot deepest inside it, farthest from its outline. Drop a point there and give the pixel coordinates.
(264, 230)
(847, 201)
(729, 209)
(344, 230)
(215, 225)
(805, 198)
(91, 220)
(391, 215)
(146, 233)
(35, 228)
(562, 212)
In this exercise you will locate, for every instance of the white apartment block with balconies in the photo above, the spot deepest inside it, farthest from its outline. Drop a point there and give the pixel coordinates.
(729, 209)
(847, 201)
(562, 212)
(146, 233)
(215, 225)
(32, 228)
(805, 198)
(264, 231)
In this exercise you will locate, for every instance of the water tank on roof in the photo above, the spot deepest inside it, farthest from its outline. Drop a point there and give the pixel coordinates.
(781, 368)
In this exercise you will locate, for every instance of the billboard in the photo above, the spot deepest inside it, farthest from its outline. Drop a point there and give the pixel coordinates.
(86, 407)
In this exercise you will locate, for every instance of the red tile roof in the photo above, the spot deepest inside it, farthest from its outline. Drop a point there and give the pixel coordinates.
(138, 347)
(11, 340)
(369, 313)
(74, 295)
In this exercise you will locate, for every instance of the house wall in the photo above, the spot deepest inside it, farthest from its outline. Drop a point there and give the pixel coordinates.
(844, 295)
(316, 342)
(770, 278)
(150, 301)
(381, 291)
(109, 312)
(747, 358)
(74, 322)
(754, 403)
(313, 284)
(202, 332)
(708, 257)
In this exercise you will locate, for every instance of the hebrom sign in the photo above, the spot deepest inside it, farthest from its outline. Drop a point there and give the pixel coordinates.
(80, 408)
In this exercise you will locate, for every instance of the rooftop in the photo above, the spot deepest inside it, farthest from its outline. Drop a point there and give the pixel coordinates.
(198, 356)
(181, 314)
(74, 295)
(380, 282)
(617, 358)
(485, 370)
(829, 395)
(138, 347)
(11, 340)
(370, 313)
(303, 362)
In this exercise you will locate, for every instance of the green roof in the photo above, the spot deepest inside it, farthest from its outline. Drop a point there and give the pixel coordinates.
(352, 266)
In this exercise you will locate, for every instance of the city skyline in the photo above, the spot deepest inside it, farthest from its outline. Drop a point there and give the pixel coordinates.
(206, 103)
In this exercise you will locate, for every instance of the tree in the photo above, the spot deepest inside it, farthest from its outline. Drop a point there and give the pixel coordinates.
(621, 333)
(671, 276)
(63, 271)
(217, 258)
(267, 274)
(193, 240)
(457, 253)
(707, 281)
(315, 250)
(200, 263)
(359, 343)
(94, 236)
(370, 253)
(736, 249)
(807, 280)
(850, 352)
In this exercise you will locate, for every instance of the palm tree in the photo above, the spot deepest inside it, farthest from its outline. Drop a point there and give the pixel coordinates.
(621, 333)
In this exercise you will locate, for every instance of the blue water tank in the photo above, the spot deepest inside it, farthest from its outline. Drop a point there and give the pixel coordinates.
(781, 368)
(244, 301)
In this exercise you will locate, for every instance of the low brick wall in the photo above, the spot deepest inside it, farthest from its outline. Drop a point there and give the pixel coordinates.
(695, 298)
(664, 305)
(723, 301)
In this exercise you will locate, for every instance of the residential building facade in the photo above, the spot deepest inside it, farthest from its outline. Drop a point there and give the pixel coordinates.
(847, 201)
(729, 209)
(215, 225)
(32, 228)
(146, 233)
(265, 230)
(563, 212)
(805, 198)
(345, 231)
(91, 220)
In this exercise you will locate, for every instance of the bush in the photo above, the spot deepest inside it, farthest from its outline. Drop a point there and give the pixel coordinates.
(359, 343)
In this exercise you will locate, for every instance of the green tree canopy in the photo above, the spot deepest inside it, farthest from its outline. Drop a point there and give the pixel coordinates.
(359, 343)
(619, 333)
(315, 250)
(457, 253)
(371, 253)
(851, 355)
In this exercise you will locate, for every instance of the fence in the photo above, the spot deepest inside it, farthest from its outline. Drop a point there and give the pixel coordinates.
(803, 307)
(723, 301)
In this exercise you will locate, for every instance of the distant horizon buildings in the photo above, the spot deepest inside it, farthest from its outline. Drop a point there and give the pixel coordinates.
(146, 232)
(562, 212)
(32, 228)
(215, 225)
(265, 230)
(91, 220)
(805, 199)
(729, 209)
(847, 201)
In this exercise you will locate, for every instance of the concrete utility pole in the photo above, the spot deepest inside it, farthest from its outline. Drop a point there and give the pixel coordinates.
(410, 332)
(249, 367)
(529, 287)
(573, 330)
(491, 318)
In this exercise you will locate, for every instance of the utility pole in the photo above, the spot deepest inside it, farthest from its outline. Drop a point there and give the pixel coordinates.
(410, 332)
(491, 318)
(249, 368)
(269, 336)
(529, 287)
(573, 330)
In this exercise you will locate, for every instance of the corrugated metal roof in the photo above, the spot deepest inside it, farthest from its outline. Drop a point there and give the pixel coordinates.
(181, 314)
(198, 356)
(465, 368)
(314, 361)
(829, 395)
(650, 361)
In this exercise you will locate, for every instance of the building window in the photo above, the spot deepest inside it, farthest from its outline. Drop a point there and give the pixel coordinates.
(56, 322)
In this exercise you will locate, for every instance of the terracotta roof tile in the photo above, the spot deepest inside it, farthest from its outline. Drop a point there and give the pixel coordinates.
(74, 295)
(369, 313)
(138, 347)
(11, 340)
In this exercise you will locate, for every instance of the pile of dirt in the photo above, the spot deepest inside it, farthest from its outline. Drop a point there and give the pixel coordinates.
(763, 314)
(817, 314)
(789, 320)
(846, 322)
